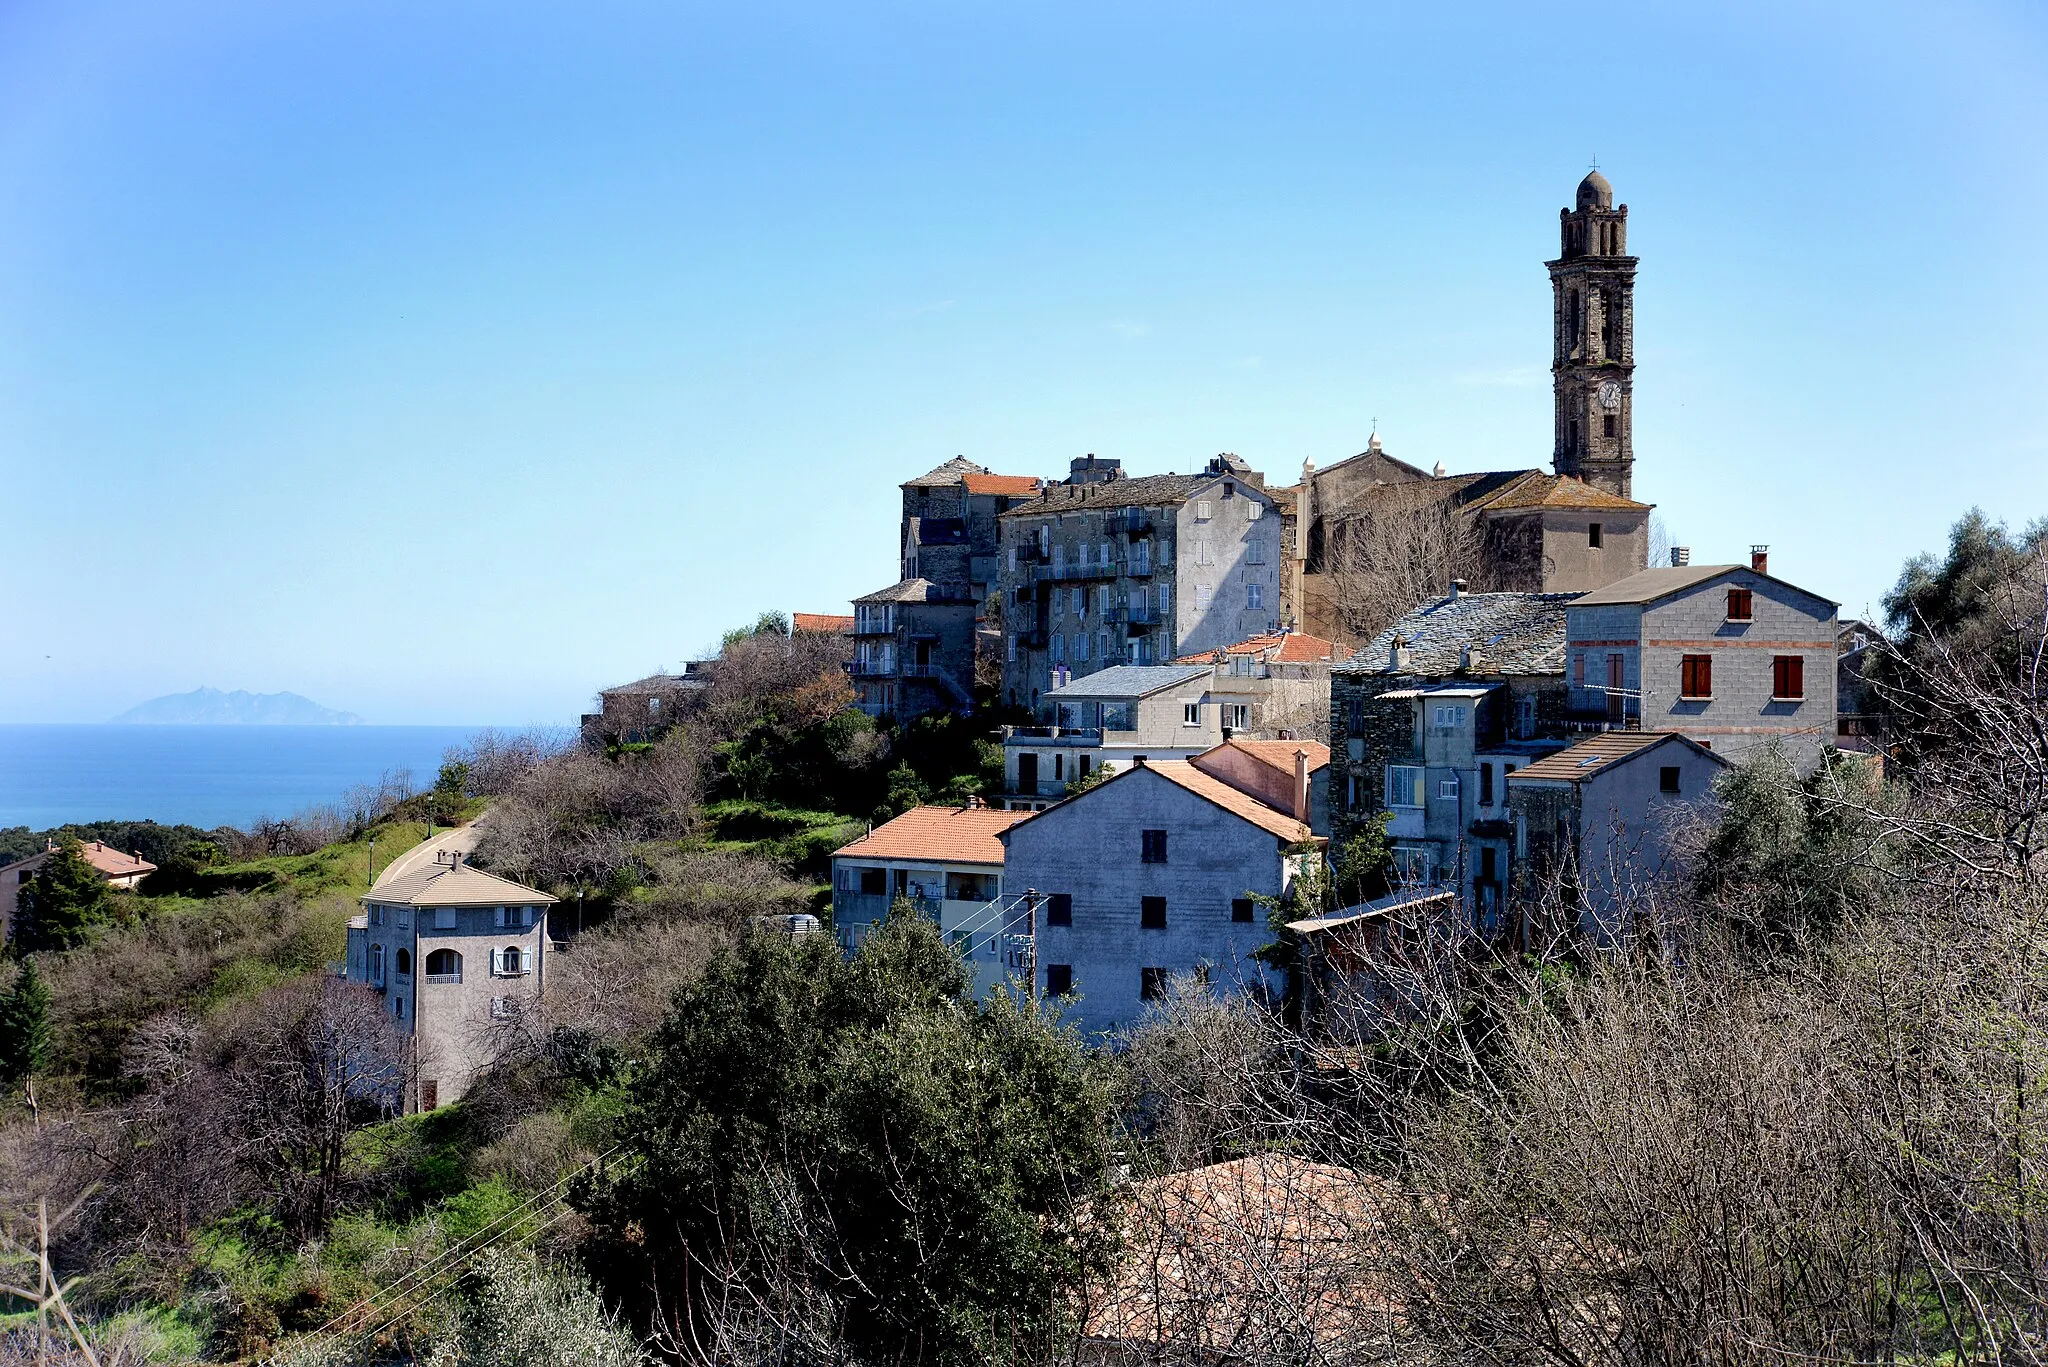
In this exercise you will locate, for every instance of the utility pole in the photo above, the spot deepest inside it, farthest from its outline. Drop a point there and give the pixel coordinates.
(373, 861)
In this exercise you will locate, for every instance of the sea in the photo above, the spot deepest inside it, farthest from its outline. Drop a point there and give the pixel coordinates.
(202, 776)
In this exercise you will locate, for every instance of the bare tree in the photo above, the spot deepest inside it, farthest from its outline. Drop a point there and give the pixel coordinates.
(1402, 552)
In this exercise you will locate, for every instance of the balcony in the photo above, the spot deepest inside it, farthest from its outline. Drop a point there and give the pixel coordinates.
(443, 979)
(1129, 522)
(1139, 568)
(884, 668)
(1064, 735)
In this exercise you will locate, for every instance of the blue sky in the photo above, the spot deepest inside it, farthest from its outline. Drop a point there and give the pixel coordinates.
(446, 362)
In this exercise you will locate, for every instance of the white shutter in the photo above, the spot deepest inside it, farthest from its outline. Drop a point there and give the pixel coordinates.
(526, 960)
(498, 914)
(497, 962)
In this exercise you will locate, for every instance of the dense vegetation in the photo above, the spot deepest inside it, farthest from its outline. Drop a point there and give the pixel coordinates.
(1796, 1117)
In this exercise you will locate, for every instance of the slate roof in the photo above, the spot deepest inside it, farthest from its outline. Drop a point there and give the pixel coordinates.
(939, 835)
(908, 591)
(1012, 485)
(1141, 491)
(1517, 633)
(458, 885)
(1127, 681)
(1603, 752)
(663, 683)
(942, 476)
(1292, 648)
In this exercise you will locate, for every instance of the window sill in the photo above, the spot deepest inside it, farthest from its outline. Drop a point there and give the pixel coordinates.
(1695, 697)
(1800, 698)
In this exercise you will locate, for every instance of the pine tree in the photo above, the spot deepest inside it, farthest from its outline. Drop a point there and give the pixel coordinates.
(62, 903)
(24, 1031)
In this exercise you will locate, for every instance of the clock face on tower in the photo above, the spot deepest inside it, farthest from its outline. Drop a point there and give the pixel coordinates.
(1610, 395)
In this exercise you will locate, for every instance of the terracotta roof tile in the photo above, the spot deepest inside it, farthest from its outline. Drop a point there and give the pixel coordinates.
(824, 623)
(949, 835)
(1280, 753)
(1215, 790)
(1014, 485)
(1293, 648)
(114, 863)
(1539, 490)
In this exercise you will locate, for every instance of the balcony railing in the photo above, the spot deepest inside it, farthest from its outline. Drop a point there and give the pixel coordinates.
(1129, 522)
(443, 979)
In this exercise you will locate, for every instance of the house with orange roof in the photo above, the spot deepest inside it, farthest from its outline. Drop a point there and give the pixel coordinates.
(120, 868)
(822, 623)
(946, 863)
(1157, 873)
(1275, 685)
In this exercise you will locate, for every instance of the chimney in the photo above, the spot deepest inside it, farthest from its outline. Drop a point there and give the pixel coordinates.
(1681, 556)
(1137, 761)
(1301, 786)
(1397, 658)
(1760, 559)
(1457, 588)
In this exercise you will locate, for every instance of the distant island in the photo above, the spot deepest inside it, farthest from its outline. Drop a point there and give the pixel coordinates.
(211, 707)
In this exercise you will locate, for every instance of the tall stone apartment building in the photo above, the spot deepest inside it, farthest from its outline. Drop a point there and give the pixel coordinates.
(1103, 569)
(916, 641)
(1574, 528)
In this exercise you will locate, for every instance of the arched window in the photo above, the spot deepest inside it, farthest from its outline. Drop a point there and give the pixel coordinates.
(510, 960)
(444, 963)
(404, 962)
(376, 963)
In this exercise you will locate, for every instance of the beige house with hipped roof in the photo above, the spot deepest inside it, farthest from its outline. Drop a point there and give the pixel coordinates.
(120, 868)
(459, 956)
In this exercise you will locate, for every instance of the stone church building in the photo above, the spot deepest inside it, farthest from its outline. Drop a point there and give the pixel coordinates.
(1573, 528)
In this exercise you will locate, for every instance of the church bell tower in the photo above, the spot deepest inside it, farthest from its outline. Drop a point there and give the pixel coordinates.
(1592, 366)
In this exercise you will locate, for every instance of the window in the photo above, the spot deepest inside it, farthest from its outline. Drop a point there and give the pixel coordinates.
(1152, 847)
(1486, 785)
(1205, 554)
(1190, 714)
(1410, 865)
(1255, 551)
(1741, 604)
(874, 882)
(1059, 909)
(1448, 718)
(1788, 678)
(504, 1008)
(1081, 647)
(1202, 597)
(1254, 510)
(1059, 980)
(1667, 779)
(1238, 716)
(1254, 596)
(498, 917)
(377, 964)
(1695, 676)
(398, 1007)
(1578, 670)
(1011, 650)
(511, 961)
(444, 918)
(654, 707)
(1152, 913)
(1241, 907)
(376, 912)
(1151, 984)
(1593, 531)
(403, 963)
(1351, 791)
(1606, 424)
(1447, 789)
(1404, 785)
(1204, 510)
(444, 963)
(1229, 489)
(1084, 766)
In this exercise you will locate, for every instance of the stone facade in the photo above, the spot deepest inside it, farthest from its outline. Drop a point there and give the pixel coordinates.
(1103, 570)
(1592, 367)
(1769, 675)
(913, 651)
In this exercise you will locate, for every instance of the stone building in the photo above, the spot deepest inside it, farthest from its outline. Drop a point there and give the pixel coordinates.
(1725, 654)
(913, 651)
(459, 956)
(640, 711)
(948, 533)
(1576, 527)
(1599, 826)
(1104, 570)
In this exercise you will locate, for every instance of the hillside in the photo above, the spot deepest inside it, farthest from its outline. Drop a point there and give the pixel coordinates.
(212, 707)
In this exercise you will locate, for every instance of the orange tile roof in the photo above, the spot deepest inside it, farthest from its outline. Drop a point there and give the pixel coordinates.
(1280, 753)
(940, 835)
(114, 863)
(1538, 490)
(1214, 789)
(1294, 648)
(1025, 485)
(1601, 753)
(825, 623)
